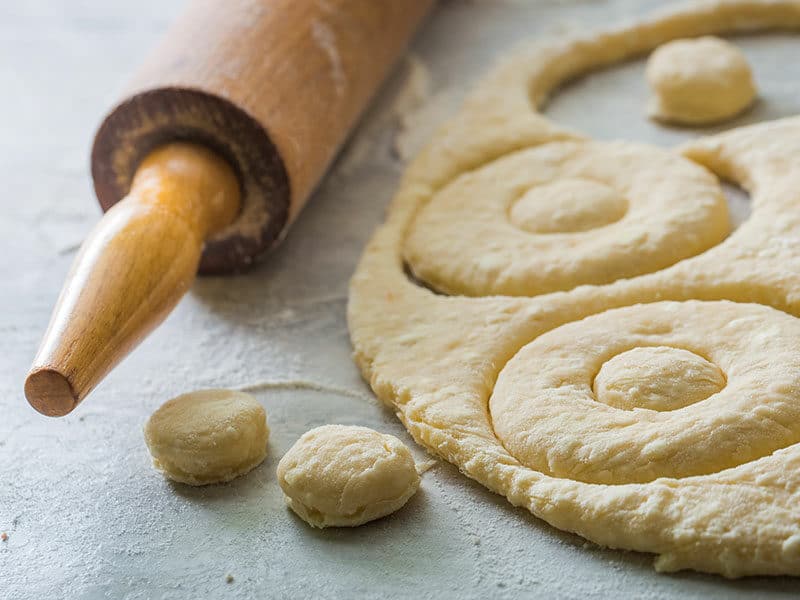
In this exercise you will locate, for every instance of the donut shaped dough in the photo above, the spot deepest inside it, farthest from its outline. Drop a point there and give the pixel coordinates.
(343, 476)
(547, 415)
(713, 326)
(207, 436)
(699, 81)
(564, 214)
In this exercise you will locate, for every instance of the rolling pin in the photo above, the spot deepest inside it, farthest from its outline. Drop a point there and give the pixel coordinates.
(210, 155)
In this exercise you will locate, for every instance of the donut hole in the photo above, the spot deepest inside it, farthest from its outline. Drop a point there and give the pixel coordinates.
(605, 102)
(340, 475)
(660, 378)
(568, 205)
(699, 81)
(207, 436)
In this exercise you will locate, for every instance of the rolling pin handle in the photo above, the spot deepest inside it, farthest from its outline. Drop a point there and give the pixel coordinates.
(131, 271)
(268, 99)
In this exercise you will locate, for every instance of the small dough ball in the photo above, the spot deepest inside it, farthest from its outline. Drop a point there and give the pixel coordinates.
(342, 476)
(208, 436)
(699, 81)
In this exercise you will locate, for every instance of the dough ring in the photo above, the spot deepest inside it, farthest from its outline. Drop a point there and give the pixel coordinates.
(560, 215)
(547, 414)
(531, 394)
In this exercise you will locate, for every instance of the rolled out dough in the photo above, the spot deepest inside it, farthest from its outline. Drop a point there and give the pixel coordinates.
(518, 380)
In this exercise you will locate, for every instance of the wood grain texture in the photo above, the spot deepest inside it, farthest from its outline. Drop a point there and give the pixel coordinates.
(273, 85)
(270, 87)
(131, 271)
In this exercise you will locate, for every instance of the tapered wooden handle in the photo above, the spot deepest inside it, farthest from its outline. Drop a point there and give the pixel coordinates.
(131, 271)
(269, 87)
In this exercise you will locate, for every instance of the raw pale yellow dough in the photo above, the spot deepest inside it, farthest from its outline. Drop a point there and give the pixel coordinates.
(343, 476)
(656, 377)
(208, 436)
(659, 208)
(699, 81)
(534, 394)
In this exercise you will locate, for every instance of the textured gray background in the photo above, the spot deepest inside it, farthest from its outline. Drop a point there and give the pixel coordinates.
(86, 515)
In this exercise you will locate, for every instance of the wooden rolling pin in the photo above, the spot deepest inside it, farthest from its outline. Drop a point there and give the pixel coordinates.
(225, 132)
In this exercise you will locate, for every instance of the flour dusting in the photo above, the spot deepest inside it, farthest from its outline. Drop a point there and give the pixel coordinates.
(302, 384)
(325, 38)
(409, 119)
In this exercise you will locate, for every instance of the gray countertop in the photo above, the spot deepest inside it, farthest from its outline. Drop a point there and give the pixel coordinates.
(86, 515)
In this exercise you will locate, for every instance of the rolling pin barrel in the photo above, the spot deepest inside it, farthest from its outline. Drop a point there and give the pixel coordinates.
(274, 86)
(223, 135)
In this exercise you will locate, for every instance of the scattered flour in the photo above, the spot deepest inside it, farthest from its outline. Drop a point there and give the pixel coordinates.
(404, 122)
(302, 384)
(325, 39)
(426, 465)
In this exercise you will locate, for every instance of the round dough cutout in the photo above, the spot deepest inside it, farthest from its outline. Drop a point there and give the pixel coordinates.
(699, 81)
(658, 378)
(343, 476)
(207, 436)
(568, 206)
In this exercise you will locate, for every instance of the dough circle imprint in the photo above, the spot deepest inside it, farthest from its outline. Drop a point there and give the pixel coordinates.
(642, 393)
(545, 412)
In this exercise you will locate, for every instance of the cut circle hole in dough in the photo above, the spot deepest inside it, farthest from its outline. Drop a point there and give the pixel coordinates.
(207, 436)
(344, 476)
